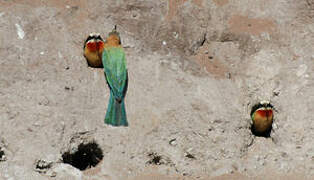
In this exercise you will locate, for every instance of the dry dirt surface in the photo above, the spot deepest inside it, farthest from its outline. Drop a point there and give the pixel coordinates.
(196, 67)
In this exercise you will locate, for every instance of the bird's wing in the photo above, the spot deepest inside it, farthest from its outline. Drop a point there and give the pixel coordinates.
(114, 63)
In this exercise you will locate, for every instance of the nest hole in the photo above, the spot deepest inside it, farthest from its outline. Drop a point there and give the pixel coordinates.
(2, 155)
(155, 159)
(86, 156)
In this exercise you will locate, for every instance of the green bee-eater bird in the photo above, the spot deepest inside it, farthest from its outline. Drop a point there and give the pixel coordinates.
(113, 59)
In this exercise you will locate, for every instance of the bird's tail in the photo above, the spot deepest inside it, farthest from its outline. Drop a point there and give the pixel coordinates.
(116, 115)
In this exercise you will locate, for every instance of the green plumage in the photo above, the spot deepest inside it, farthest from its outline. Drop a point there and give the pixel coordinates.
(113, 59)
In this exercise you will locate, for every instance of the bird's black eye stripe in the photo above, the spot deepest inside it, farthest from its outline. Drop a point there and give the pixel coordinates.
(98, 38)
(269, 105)
(89, 38)
(255, 107)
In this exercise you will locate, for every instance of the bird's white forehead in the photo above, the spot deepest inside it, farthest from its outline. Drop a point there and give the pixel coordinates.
(264, 102)
(94, 34)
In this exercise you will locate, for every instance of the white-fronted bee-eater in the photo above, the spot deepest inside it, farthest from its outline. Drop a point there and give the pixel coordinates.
(262, 117)
(93, 48)
(114, 62)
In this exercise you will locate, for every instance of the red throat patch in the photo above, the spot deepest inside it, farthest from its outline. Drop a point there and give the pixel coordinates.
(265, 113)
(92, 46)
(95, 46)
(100, 45)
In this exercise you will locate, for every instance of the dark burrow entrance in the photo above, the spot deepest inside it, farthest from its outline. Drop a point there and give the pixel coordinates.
(87, 155)
(155, 159)
(2, 156)
(262, 119)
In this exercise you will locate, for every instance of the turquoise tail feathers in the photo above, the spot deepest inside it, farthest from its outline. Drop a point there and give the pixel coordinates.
(116, 115)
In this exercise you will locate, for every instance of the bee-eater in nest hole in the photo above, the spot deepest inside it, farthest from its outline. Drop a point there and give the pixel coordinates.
(116, 73)
(262, 117)
(93, 48)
